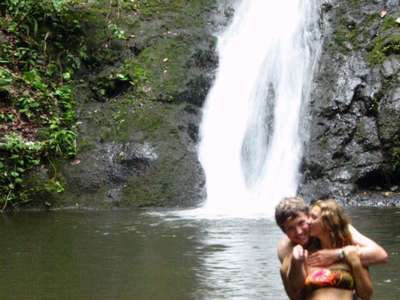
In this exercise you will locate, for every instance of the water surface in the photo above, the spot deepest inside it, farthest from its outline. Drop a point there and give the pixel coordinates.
(133, 255)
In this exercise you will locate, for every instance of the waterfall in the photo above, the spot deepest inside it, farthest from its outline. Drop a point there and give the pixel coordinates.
(252, 131)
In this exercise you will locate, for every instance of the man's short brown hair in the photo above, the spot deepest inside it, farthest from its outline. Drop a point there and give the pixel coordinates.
(289, 208)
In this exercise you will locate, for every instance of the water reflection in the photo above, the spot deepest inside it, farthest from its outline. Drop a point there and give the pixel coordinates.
(240, 260)
(96, 256)
(130, 255)
(383, 226)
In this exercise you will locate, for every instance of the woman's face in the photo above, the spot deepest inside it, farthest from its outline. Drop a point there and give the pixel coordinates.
(316, 225)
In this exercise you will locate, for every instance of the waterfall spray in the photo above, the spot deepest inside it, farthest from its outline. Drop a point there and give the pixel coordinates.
(251, 144)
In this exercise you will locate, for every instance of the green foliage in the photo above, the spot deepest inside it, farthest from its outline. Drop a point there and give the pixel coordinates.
(6, 117)
(44, 47)
(117, 32)
(133, 72)
(386, 43)
(48, 28)
(140, 76)
(61, 141)
(28, 106)
(17, 157)
(66, 103)
(345, 36)
(389, 23)
(5, 78)
(33, 78)
(54, 186)
(383, 47)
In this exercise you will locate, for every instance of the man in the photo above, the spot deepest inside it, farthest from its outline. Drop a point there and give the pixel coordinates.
(291, 215)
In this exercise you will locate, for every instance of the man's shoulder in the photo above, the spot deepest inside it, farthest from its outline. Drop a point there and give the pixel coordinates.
(284, 248)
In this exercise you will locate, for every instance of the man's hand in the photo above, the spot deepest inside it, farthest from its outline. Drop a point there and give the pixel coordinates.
(299, 254)
(295, 274)
(323, 258)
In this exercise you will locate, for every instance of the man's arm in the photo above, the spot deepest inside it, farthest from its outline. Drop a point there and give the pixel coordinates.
(292, 270)
(284, 276)
(285, 247)
(370, 252)
(296, 273)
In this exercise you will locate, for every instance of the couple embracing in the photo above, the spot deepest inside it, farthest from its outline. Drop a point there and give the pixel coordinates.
(322, 256)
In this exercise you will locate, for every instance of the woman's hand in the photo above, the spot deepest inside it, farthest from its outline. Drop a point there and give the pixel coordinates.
(361, 275)
(352, 255)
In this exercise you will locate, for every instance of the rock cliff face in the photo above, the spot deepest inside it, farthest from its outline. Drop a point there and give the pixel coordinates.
(353, 151)
(140, 107)
(140, 110)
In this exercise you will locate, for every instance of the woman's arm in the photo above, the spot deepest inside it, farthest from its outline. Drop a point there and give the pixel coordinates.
(361, 275)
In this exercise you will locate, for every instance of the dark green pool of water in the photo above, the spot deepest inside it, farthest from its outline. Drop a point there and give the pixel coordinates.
(132, 255)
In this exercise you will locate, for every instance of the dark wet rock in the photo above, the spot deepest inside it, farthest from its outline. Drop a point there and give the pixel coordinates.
(140, 107)
(156, 166)
(366, 134)
(196, 91)
(355, 130)
(390, 67)
(376, 199)
(388, 116)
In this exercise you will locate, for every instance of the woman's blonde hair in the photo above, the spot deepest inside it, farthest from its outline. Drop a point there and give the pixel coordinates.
(335, 221)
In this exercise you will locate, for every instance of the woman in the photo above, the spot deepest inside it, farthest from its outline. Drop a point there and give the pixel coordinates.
(330, 228)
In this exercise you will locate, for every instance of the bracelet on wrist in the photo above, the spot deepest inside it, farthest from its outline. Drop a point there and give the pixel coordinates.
(341, 255)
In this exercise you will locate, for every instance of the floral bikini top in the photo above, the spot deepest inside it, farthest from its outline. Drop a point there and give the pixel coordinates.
(336, 278)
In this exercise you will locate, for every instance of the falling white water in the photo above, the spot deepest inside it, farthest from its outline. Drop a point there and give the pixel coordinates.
(251, 144)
